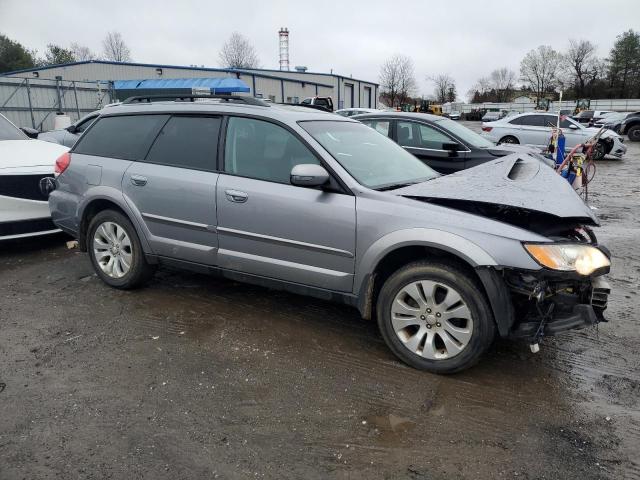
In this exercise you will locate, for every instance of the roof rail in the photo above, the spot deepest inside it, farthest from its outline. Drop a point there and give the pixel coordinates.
(191, 98)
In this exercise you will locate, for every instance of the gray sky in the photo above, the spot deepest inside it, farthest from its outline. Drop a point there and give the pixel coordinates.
(464, 38)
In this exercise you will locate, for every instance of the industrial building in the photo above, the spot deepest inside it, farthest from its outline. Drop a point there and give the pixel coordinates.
(283, 86)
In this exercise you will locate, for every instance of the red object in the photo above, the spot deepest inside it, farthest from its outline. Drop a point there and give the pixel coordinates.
(487, 129)
(62, 163)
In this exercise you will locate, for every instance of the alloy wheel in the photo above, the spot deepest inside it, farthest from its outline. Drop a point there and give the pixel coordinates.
(431, 320)
(112, 249)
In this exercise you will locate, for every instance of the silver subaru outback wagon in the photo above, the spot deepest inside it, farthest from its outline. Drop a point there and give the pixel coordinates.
(321, 205)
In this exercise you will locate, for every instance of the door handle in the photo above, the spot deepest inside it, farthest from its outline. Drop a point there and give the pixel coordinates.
(236, 196)
(138, 180)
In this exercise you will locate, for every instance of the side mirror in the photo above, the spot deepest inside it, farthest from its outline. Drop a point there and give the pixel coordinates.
(573, 126)
(452, 148)
(71, 129)
(30, 132)
(309, 175)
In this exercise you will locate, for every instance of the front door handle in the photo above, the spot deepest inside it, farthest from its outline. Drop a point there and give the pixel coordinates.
(138, 180)
(236, 196)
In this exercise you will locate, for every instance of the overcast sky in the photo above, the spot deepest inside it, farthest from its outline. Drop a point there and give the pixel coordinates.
(464, 38)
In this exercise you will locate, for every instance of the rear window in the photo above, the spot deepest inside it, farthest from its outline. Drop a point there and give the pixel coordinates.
(127, 137)
(187, 142)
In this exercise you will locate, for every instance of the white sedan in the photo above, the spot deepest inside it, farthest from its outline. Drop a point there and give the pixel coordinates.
(535, 128)
(24, 211)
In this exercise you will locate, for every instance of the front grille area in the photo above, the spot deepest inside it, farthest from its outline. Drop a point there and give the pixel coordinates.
(26, 226)
(22, 186)
(600, 297)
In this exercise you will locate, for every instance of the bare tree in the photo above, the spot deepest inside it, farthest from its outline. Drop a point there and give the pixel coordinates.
(237, 52)
(539, 69)
(502, 81)
(580, 65)
(397, 79)
(444, 84)
(82, 53)
(115, 48)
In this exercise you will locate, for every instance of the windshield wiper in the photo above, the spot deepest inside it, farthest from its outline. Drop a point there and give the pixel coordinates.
(394, 186)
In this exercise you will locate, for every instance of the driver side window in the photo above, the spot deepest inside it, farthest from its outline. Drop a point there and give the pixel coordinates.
(419, 135)
(263, 150)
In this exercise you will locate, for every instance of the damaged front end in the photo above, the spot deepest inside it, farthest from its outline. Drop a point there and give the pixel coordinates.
(547, 303)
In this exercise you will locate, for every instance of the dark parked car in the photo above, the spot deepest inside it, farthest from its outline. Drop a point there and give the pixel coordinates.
(631, 127)
(444, 145)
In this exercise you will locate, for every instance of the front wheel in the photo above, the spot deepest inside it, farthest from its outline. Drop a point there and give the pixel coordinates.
(634, 133)
(116, 252)
(435, 317)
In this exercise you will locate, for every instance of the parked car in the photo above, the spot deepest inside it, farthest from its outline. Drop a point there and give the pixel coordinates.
(24, 211)
(443, 144)
(535, 128)
(585, 116)
(350, 112)
(68, 136)
(612, 121)
(630, 126)
(325, 206)
(455, 115)
(491, 116)
(319, 103)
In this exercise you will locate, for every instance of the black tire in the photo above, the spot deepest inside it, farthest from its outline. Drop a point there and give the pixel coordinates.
(140, 271)
(509, 139)
(634, 133)
(483, 330)
(598, 151)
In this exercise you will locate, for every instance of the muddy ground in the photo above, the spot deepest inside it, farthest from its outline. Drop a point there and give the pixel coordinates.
(195, 377)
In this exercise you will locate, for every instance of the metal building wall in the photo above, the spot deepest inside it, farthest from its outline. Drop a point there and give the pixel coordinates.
(34, 102)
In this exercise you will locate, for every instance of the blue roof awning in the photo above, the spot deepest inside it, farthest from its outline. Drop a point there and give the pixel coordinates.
(214, 85)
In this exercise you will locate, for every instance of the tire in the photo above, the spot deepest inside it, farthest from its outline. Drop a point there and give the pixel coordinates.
(444, 353)
(509, 139)
(634, 133)
(112, 244)
(598, 151)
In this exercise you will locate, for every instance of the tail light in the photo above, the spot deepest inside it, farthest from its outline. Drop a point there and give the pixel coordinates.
(62, 163)
(487, 129)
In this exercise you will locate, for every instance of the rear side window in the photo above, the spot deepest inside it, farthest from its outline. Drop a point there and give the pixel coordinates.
(127, 137)
(187, 142)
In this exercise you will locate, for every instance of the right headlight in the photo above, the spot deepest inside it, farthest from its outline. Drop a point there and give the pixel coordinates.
(583, 259)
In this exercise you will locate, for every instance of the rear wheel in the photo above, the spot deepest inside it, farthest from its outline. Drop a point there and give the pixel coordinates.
(509, 139)
(435, 317)
(116, 252)
(634, 133)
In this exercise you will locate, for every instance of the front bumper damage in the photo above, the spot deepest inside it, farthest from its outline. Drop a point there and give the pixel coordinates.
(544, 303)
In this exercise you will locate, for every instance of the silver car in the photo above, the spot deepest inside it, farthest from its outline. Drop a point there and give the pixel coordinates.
(68, 136)
(535, 128)
(322, 205)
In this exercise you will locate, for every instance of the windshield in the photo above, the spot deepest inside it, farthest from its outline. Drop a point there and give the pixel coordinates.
(8, 131)
(466, 135)
(370, 157)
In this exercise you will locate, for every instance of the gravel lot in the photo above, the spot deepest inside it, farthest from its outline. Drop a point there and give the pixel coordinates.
(195, 377)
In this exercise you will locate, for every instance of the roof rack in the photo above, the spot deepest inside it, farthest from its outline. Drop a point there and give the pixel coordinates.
(191, 98)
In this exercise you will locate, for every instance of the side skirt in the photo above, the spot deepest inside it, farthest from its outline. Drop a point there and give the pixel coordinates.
(267, 282)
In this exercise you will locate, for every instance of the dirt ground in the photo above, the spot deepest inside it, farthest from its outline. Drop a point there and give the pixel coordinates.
(195, 377)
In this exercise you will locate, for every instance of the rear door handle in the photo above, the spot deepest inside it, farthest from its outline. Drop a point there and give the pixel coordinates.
(236, 196)
(138, 180)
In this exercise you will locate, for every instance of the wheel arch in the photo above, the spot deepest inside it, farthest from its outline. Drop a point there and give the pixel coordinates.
(98, 203)
(398, 248)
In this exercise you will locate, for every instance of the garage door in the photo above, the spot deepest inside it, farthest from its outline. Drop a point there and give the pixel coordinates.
(367, 97)
(348, 95)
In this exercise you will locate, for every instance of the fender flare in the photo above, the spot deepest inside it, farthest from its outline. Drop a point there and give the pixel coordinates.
(114, 196)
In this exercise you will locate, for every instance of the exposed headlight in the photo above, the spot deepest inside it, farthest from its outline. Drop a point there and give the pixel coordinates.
(583, 259)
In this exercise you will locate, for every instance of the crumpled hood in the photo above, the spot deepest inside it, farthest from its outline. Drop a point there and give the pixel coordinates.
(517, 180)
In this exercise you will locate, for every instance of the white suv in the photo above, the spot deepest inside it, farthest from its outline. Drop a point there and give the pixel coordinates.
(534, 128)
